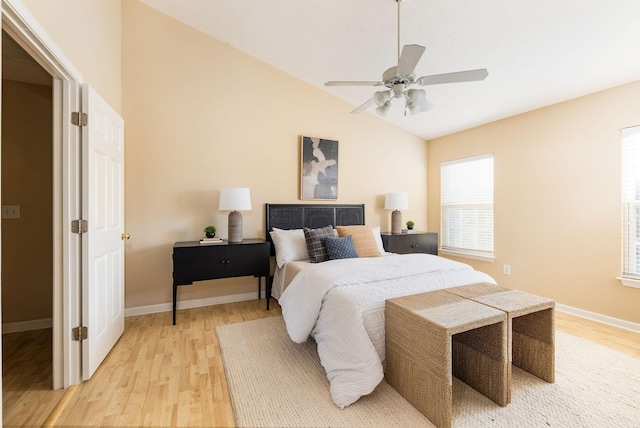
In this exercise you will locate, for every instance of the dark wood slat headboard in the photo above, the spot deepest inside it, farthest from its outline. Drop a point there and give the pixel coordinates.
(297, 216)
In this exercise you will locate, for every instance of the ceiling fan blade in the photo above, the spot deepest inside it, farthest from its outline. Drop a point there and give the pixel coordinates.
(409, 58)
(353, 83)
(364, 106)
(455, 77)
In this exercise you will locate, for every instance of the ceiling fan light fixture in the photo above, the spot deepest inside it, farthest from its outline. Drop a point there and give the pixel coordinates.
(381, 97)
(414, 108)
(383, 109)
(417, 96)
(399, 78)
(398, 89)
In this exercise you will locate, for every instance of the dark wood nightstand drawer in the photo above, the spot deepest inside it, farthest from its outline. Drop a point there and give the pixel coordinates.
(406, 243)
(195, 262)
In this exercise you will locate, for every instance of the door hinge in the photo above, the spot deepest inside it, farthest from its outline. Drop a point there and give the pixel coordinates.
(79, 333)
(79, 119)
(79, 226)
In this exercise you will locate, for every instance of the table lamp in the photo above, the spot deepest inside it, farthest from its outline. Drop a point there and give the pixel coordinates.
(235, 199)
(396, 202)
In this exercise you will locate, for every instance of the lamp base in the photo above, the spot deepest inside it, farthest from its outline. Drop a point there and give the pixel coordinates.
(396, 222)
(235, 226)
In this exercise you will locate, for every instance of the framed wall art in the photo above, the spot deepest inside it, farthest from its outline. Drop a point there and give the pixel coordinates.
(318, 168)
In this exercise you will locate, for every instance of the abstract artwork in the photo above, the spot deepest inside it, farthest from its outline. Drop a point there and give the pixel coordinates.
(319, 169)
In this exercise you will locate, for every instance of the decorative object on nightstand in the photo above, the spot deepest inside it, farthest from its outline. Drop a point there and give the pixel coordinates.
(410, 225)
(210, 236)
(235, 199)
(210, 231)
(396, 202)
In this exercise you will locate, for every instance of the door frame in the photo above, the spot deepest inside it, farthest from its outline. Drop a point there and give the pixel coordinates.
(21, 25)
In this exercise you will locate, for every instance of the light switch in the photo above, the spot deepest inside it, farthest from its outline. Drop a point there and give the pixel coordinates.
(10, 211)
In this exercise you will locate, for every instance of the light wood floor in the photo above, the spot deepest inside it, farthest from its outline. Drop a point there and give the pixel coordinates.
(164, 375)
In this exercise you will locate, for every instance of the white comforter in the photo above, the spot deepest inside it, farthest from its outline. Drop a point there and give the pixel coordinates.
(340, 303)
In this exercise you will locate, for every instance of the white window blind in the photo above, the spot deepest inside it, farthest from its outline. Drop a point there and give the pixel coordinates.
(631, 202)
(467, 205)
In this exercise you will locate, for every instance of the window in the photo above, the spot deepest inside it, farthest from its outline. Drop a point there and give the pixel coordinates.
(631, 206)
(467, 207)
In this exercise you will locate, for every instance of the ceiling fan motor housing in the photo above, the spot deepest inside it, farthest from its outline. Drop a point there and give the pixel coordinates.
(391, 78)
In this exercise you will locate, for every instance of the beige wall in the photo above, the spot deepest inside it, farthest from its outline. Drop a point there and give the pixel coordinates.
(201, 115)
(27, 246)
(557, 198)
(89, 34)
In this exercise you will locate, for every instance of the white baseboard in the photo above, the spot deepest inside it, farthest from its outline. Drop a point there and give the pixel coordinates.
(604, 319)
(14, 327)
(165, 307)
(188, 304)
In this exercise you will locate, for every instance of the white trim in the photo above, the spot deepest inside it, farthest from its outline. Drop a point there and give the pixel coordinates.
(467, 255)
(15, 327)
(467, 159)
(189, 304)
(629, 282)
(22, 26)
(603, 319)
(198, 303)
(630, 130)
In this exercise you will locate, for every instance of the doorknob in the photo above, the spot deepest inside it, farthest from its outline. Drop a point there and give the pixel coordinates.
(125, 236)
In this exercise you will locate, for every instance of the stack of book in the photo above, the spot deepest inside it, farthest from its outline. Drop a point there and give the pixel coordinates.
(210, 241)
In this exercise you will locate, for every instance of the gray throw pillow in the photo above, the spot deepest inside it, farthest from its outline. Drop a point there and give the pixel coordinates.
(315, 245)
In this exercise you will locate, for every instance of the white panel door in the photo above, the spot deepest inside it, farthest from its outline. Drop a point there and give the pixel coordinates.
(103, 246)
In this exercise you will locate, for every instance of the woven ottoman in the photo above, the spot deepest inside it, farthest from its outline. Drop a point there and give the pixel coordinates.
(530, 323)
(430, 337)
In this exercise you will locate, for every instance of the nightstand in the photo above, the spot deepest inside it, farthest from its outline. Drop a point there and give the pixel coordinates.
(193, 261)
(406, 243)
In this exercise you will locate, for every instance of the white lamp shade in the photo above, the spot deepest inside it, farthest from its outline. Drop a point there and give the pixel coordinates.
(396, 201)
(235, 199)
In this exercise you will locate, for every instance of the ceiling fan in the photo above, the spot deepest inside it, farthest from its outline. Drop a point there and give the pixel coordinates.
(399, 81)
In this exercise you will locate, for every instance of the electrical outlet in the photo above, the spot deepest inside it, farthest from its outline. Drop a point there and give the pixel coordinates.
(506, 269)
(10, 211)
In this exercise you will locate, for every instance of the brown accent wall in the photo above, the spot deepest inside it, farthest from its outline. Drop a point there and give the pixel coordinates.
(27, 242)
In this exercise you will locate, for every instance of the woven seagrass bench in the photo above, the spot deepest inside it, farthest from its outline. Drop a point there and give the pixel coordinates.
(431, 337)
(530, 324)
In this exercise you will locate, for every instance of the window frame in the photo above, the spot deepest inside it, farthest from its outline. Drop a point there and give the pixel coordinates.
(630, 206)
(472, 208)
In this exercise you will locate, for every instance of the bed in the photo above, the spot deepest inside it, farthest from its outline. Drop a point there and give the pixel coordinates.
(292, 217)
(339, 302)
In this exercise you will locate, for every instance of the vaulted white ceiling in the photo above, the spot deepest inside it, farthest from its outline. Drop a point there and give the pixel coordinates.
(537, 52)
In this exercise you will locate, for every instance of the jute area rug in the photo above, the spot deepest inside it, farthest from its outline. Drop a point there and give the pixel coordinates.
(275, 382)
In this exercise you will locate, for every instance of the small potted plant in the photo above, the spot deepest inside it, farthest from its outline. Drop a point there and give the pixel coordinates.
(410, 225)
(210, 231)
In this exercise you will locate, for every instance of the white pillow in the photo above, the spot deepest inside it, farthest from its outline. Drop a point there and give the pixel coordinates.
(378, 238)
(290, 245)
